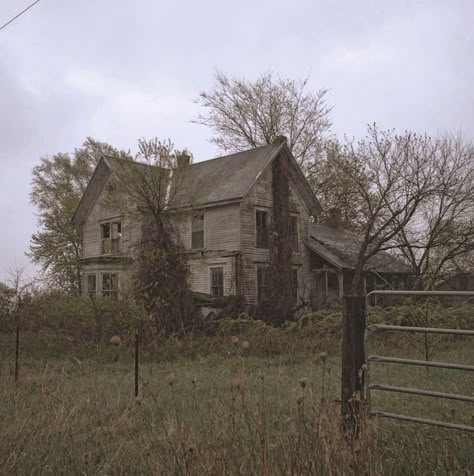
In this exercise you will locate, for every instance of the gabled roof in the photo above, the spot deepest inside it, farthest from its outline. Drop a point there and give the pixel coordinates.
(211, 182)
(92, 192)
(224, 178)
(340, 247)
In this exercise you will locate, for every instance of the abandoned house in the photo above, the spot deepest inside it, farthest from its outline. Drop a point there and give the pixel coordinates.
(227, 210)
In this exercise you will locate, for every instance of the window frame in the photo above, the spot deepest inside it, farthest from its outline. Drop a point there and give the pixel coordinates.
(211, 285)
(91, 293)
(262, 241)
(294, 233)
(295, 283)
(261, 296)
(110, 293)
(194, 214)
(112, 250)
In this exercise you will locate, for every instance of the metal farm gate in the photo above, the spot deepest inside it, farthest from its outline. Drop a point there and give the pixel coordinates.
(357, 386)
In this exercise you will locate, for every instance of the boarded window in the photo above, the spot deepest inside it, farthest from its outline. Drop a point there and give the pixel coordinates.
(262, 283)
(261, 221)
(111, 237)
(110, 286)
(217, 281)
(91, 285)
(293, 233)
(197, 231)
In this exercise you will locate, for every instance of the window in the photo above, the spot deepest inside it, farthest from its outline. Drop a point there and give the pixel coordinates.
(197, 231)
(333, 281)
(293, 233)
(217, 281)
(91, 285)
(261, 222)
(294, 284)
(110, 286)
(111, 237)
(262, 283)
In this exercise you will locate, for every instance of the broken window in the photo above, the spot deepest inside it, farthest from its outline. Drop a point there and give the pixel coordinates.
(197, 231)
(217, 281)
(293, 233)
(262, 283)
(110, 287)
(91, 285)
(111, 237)
(261, 221)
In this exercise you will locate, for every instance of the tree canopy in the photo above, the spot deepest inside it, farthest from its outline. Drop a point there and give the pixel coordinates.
(57, 186)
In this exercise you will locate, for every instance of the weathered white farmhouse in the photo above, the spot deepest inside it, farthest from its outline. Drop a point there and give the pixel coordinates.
(226, 232)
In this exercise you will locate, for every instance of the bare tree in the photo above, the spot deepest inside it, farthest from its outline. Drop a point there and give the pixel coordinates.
(441, 233)
(398, 176)
(245, 114)
(336, 191)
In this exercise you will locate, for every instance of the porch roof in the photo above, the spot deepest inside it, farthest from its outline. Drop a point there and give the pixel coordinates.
(340, 247)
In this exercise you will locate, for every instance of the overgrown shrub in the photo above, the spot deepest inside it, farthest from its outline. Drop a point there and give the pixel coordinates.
(76, 318)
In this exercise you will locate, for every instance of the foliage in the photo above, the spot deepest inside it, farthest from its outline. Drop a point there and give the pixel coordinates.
(228, 414)
(278, 305)
(76, 318)
(428, 314)
(145, 190)
(57, 187)
(244, 114)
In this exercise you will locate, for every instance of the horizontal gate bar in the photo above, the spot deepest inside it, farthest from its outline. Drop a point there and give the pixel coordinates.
(431, 330)
(421, 293)
(422, 363)
(395, 416)
(426, 393)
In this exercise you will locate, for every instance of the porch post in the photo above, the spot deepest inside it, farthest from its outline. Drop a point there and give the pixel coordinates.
(340, 280)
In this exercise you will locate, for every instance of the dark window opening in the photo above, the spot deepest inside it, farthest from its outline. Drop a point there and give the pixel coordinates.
(111, 237)
(294, 284)
(261, 220)
(217, 281)
(197, 231)
(262, 284)
(333, 282)
(91, 285)
(293, 233)
(110, 286)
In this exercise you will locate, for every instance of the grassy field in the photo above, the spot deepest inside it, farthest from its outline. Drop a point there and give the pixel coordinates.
(221, 406)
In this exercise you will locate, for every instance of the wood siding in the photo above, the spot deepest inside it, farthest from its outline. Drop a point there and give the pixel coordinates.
(200, 273)
(260, 198)
(230, 241)
(221, 228)
(91, 229)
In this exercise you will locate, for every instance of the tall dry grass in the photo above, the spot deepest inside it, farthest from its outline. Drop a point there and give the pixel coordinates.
(231, 405)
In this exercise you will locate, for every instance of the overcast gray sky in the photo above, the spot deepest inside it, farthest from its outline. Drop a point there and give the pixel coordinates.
(119, 70)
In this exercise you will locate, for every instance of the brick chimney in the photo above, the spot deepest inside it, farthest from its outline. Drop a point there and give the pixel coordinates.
(280, 140)
(334, 218)
(183, 160)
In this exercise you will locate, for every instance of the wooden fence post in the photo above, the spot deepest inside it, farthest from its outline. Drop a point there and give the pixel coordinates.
(137, 339)
(17, 352)
(353, 357)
